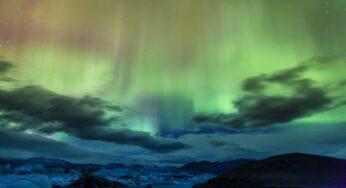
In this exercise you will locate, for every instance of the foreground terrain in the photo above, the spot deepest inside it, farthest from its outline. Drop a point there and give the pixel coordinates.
(293, 170)
(62, 174)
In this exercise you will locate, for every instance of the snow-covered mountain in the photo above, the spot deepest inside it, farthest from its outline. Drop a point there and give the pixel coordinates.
(63, 174)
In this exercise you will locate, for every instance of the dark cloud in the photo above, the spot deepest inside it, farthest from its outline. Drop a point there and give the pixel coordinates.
(253, 84)
(142, 139)
(5, 67)
(263, 110)
(34, 108)
(234, 147)
(327, 59)
(41, 105)
(217, 143)
(34, 145)
(258, 109)
(342, 83)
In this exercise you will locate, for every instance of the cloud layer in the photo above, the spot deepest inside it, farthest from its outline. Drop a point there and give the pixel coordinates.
(34, 145)
(301, 96)
(39, 110)
(36, 109)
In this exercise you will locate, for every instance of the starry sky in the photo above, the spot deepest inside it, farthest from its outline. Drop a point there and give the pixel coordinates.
(170, 82)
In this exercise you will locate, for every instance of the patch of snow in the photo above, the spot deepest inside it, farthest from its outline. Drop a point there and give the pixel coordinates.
(138, 177)
(24, 169)
(64, 178)
(25, 181)
(5, 167)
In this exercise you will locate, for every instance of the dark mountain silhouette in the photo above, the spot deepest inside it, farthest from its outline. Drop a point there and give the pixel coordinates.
(288, 170)
(213, 167)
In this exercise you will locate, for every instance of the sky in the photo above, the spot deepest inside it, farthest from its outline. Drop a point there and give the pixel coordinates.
(171, 81)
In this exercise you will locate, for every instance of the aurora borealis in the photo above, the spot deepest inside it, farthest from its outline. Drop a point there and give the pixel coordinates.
(164, 80)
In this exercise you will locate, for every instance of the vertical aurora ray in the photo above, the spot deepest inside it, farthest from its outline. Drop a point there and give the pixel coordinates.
(198, 50)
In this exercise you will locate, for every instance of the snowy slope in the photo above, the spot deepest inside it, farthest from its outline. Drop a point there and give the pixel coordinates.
(25, 181)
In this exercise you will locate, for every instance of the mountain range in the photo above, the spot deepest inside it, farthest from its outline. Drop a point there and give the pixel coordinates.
(213, 167)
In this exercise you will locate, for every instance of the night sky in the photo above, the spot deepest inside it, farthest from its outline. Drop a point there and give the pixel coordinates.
(172, 81)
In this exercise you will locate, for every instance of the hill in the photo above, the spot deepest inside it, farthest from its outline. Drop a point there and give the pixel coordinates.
(288, 170)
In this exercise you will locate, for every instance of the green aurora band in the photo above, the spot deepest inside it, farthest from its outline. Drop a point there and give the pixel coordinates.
(168, 58)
